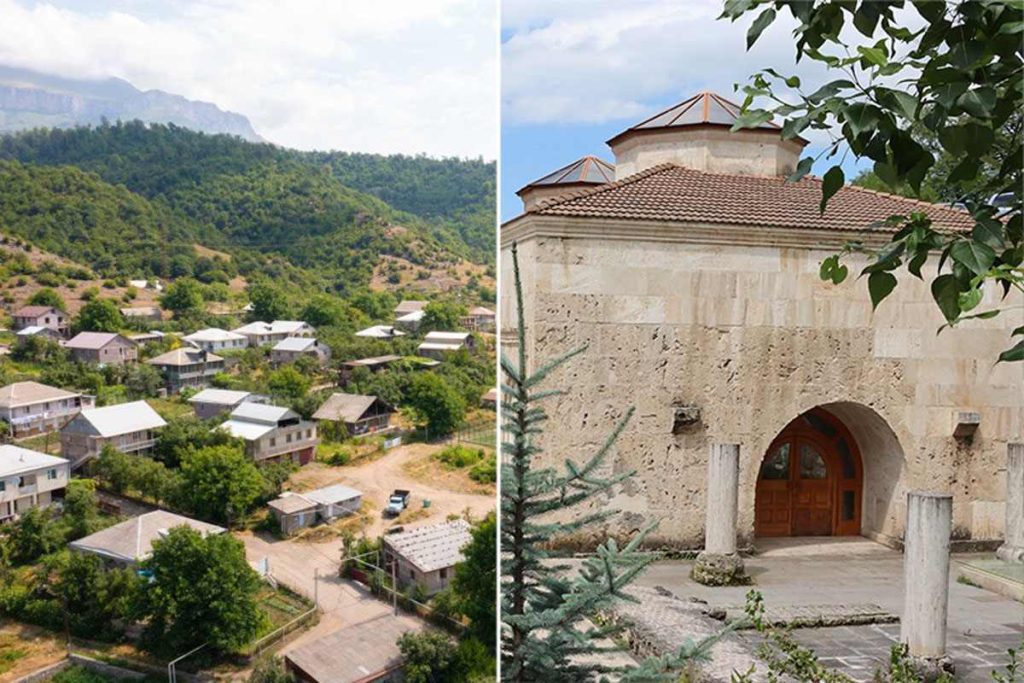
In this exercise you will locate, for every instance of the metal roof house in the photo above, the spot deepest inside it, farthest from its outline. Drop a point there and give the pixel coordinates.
(214, 339)
(273, 433)
(360, 414)
(380, 332)
(427, 555)
(29, 479)
(210, 403)
(187, 367)
(102, 348)
(34, 408)
(260, 333)
(437, 344)
(128, 427)
(41, 316)
(131, 541)
(290, 349)
(295, 511)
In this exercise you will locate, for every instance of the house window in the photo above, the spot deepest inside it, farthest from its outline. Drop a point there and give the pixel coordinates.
(288, 438)
(273, 441)
(51, 474)
(412, 573)
(3, 486)
(443, 572)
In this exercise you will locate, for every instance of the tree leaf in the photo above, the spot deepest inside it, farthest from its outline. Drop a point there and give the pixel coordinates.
(829, 90)
(970, 299)
(1013, 355)
(873, 55)
(830, 184)
(978, 102)
(915, 263)
(946, 292)
(763, 21)
(802, 169)
(975, 256)
(861, 117)
(865, 19)
(988, 231)
(880, 285)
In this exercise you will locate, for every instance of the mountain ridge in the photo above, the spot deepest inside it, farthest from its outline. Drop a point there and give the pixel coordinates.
(32, 99)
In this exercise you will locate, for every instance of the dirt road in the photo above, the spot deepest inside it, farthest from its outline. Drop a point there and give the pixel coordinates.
(378, 478)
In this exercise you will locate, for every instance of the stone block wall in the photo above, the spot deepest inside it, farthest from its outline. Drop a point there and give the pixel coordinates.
(748, 333)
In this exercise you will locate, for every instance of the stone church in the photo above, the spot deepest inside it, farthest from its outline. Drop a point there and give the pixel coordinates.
(689, 268)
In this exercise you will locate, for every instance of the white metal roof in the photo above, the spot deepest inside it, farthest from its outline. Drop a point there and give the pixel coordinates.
(132, 540)
(122, 419)
(213, 334)
(446, 337)
(224, 397)
(413, 317)
(330, 495)
(276, 327)
(18, 460)
(31, 330)
(380, 332)
(426, 346)
(262, 413)
(432, 547)
(250, 431)
(28, 393)
(295, 344)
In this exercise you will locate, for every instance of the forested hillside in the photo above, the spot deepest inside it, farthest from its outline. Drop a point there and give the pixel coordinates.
(256, 194)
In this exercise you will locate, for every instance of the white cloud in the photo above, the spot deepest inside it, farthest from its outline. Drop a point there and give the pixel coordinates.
(604, 60)
(396, 76)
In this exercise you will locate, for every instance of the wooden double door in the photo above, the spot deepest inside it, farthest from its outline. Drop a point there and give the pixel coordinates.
(810, 481)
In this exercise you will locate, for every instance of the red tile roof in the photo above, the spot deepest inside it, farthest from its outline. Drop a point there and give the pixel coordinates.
(673, 193)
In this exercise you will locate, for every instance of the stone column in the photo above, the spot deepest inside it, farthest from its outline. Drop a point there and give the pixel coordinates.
(926, 581)
(1012, 549)
(719, 564)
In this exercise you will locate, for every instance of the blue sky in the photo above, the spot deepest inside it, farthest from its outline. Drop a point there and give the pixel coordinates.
(576, 73)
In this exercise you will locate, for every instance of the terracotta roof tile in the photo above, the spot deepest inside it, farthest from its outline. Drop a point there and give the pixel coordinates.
(673, 193)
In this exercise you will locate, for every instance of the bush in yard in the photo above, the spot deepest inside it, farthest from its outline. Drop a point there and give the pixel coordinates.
(485, 471)
(99, 315)
(436, 403)
(458, 456)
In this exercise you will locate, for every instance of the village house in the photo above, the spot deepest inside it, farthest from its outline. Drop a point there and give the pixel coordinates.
(438, 344)
(128, 427)
(290, 349)
(102, 348)
(211, 403)
(380, 332)
(364, 652)
(144, 313)
(187, 367)
(360, 414)
(261, 333)
(693, 279)
(42, 316)
(479, 319)
(294, 511)
(143, 338)
(407, 306)
(374, 365)
(130, 542)
(427, 555)
(213, 339)
(273, 433)
(34, 408)
(29, 479)
(490, 399)
(410, 322)
(27, 333)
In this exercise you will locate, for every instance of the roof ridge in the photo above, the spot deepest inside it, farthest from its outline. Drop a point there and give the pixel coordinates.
(589, 191)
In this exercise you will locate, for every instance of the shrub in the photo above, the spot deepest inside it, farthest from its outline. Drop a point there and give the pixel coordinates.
(458, 456)
(485, 471)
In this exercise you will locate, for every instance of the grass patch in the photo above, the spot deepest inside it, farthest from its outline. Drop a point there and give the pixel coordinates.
(10, 653)
(172, 408)
(282, 606)
(481, 464)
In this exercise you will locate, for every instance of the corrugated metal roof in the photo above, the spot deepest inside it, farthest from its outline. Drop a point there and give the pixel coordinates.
(344, 407)
(330, 495)
(380, 332)
(94, 340)
(132, 540)
(262, 413)
(250, 431)
(184, 356)
(432, 547)
(446, 336)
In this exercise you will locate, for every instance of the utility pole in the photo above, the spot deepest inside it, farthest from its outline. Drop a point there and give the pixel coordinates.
(394, 585)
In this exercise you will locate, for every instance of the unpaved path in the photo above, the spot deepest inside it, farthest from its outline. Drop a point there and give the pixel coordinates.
(378, 478)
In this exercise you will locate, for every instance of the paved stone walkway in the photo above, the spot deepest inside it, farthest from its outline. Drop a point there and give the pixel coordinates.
(982, 625)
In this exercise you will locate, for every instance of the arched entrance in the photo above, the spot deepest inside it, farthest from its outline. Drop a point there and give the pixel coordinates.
(811, 480)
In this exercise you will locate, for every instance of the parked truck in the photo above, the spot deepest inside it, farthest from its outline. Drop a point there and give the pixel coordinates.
(398, 501)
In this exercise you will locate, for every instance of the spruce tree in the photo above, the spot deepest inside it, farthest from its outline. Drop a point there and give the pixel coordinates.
(552, 613)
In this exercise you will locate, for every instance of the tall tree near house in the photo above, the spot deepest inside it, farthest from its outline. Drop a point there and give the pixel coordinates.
(442, 316)
(203, 591)
(268, 301)
(905, 99)
(99, 315)
(546, 609)
(475, 581)
(184, 296)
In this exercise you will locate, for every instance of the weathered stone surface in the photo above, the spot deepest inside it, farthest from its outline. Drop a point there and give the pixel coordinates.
(747, 332)
(715, 569)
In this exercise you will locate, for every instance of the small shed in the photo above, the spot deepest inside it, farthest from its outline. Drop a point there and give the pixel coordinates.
(296, 511)
(360, 414)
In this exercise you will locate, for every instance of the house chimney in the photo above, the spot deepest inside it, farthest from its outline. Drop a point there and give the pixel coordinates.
(696, 134)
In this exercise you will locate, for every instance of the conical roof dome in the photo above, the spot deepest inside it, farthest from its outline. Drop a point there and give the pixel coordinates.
(697, 133)
(586, 170)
